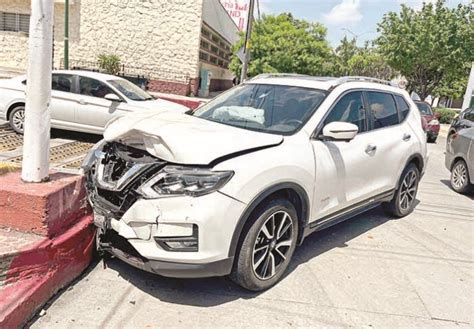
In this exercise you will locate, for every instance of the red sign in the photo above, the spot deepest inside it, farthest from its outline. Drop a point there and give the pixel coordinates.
(238, 10)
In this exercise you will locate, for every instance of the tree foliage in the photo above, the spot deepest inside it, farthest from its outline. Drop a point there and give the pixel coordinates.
(432, 48)
(284, 44)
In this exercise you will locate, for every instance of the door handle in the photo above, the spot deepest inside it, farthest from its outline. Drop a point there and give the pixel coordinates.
(406, 137)
(370, 148)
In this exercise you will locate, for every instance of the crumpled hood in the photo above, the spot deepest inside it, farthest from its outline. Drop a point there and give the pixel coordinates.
(184, 139)
(159, 104)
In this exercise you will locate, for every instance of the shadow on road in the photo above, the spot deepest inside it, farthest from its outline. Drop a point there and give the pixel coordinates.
(74, 135)
(448, 184)
(214, 291)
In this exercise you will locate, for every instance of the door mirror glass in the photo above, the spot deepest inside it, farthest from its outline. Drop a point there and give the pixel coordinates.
(340, 131)
(112, 98)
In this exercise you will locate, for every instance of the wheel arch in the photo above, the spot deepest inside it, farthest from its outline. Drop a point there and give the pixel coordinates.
(417, 160)
(12, 106)
(295, 193)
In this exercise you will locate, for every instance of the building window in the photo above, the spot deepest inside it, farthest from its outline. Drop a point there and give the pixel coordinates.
(215, 38)
(214, 49)
(14, 22)
(203, 56)
(213, 60)
(204, 44)
(205, 33)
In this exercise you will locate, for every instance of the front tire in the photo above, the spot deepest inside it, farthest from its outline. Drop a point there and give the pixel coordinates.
(17, 119)
(403, 202)
(267, 247)
(460, 177)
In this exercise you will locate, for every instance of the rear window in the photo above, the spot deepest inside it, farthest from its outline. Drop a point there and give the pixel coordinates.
(424, 108)
(402, 106)
(383, 109)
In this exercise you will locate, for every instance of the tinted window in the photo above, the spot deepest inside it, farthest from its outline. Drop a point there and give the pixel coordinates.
(402, 106)
(469, 115)
(424, 108)
(383, 110)
(92, 87)
(350, 108)
(267, 108)
(62, 82)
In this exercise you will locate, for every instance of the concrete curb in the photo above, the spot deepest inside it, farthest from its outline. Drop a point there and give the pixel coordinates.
(41, 269)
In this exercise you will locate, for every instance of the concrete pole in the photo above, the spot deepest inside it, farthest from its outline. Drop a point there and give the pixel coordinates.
(66, 34)
(469, 90)
(38, 93)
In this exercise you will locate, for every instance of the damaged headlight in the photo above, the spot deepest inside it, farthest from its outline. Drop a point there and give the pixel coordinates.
(91, 155)
(175, 180)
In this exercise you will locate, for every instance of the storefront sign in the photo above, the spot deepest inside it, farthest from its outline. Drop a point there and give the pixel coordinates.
(238, 10)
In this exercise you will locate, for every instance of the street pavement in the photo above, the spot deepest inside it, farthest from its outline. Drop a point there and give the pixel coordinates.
(371, 271)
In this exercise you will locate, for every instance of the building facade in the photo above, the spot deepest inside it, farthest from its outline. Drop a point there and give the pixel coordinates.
(181, 46)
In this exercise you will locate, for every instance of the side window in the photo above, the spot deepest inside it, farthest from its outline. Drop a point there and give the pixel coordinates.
(469, 115)
(350, 108)
(402, 106)
(383, 110)
(62, 82)
(94, 88)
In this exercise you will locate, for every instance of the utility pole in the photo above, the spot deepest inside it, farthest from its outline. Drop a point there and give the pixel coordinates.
(248, 34)
(66, 34)
(35, 165)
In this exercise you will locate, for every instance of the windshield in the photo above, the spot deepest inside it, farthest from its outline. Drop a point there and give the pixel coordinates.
(266, 108)
(130, 90)
(424, 108)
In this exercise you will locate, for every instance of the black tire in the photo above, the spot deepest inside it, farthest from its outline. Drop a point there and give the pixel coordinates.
(460, 181)
(258, 255)
(432, 139)
(17, 115)
(403, 202)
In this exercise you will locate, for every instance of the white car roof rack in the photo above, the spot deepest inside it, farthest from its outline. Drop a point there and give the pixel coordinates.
(342, 80)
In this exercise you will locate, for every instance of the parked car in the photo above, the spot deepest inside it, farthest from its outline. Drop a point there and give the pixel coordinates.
(460, 159)
(464, 120)
(81, 100)
(432, 124)
(236, 185)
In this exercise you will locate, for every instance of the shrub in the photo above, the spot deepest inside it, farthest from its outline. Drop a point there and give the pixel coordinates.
(109, 63)
(445, 115)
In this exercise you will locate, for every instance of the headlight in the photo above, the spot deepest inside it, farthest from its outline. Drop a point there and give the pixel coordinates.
(433, 122)
(175, 180)
(90, 157)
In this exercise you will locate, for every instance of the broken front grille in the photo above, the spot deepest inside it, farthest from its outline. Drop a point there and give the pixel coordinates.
(117, 174)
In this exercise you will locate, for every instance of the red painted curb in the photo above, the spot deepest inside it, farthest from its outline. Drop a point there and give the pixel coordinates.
(41, 269)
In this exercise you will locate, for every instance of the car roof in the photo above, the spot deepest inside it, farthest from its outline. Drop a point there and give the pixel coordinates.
(324, 83)
(89, 74)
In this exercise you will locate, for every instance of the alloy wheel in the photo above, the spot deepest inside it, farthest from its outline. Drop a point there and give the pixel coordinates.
(459, 176)
(18, 119)
(408, 190)
(273, 245)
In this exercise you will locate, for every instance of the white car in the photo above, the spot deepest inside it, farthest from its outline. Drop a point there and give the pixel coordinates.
(81, 101)
(235, 186)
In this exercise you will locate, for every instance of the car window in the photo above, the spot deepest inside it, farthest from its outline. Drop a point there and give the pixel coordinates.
(402, 106)
(469, 115)
(350, 108)
(383, 110)
(62, 82)
(93, 87)
(424, 108)
(275, 109)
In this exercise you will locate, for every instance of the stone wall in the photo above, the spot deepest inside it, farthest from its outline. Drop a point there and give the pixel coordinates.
(159, 39)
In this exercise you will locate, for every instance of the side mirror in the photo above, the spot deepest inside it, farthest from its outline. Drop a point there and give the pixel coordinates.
(340, 131)
(112, 98)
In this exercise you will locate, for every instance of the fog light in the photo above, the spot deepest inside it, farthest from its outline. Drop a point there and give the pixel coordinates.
(182, 243)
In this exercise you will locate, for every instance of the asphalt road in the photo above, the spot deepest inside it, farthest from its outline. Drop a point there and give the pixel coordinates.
(371, 271)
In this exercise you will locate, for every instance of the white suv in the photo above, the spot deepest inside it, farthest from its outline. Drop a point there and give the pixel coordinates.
(235, 186)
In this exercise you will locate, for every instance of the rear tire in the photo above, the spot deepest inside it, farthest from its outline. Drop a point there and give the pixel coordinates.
(403, 202)
(432, 139)
(17, 119)
(267, 247)
(460, 177)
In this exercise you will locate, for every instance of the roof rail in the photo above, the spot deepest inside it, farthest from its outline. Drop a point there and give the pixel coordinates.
(342, 80)
(276, 75)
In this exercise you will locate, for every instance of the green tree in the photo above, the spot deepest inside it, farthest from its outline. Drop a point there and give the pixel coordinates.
(431, 47)
(284, 44)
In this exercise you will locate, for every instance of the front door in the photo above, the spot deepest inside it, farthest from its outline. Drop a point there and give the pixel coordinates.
(62, 100)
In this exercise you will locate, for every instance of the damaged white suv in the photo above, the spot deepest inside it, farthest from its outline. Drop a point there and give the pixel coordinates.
(235, 186)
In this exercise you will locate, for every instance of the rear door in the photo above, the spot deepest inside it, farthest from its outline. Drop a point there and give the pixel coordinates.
(62, 100)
